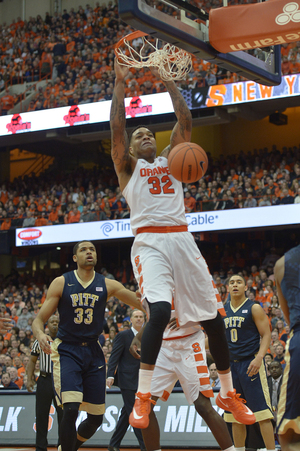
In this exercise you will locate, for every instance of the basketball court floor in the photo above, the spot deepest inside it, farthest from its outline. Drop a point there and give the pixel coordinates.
(93, 449)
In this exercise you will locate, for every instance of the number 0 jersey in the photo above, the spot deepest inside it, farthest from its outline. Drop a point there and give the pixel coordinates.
(241, 332)
(81, 308)
(154, 196)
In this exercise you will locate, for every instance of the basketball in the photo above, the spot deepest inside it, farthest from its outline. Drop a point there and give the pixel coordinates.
(187, 162)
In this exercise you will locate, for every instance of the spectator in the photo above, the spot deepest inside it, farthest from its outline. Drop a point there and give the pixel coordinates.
(250, 202)
(7, 384)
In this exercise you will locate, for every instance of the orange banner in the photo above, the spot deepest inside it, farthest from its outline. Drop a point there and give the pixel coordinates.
(244, 27)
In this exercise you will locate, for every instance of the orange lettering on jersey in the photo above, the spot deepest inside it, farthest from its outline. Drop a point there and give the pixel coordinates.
(143, 172)
(149, 172)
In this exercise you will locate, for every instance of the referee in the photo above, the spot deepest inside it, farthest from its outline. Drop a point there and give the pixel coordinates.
(44, 389)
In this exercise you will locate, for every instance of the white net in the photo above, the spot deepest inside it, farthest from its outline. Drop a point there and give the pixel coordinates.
(172, 62)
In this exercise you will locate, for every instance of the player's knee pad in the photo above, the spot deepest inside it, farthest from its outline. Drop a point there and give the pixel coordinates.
(95, 420)
(160, 313)
(70, 411)
(89, 426)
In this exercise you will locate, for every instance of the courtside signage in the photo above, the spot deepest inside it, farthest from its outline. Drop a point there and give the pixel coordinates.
(209, 221)
(149, 105)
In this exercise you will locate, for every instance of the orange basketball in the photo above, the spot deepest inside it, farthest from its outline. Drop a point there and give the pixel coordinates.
(187, 162)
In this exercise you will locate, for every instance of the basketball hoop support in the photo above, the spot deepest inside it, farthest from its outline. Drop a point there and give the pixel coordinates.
(194, 40)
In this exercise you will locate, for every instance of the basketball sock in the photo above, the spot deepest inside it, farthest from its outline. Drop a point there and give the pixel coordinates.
(241, 448)
(231, 448)
(145, 377)
(226, 384)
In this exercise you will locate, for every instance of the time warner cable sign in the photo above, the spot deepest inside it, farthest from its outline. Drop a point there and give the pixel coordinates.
(210, 221)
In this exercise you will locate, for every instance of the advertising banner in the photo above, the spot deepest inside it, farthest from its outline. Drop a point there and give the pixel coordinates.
(210, 221)
(149, 105)
(180, 425)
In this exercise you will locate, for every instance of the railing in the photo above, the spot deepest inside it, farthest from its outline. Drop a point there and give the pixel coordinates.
(39, 165)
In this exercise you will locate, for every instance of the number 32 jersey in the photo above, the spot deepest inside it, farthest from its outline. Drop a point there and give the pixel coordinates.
(154, 196)
(81, 308)
(241, 332)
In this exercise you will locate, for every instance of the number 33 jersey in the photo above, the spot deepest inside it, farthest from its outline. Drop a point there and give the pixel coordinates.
(154, 196)
(81, 308)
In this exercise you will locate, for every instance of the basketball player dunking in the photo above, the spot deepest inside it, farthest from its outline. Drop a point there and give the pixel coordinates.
(166, 261)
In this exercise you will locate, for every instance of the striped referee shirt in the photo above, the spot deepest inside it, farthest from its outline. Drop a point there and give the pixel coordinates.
(45, 360)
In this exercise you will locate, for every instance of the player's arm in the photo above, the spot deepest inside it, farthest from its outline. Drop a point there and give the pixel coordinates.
(261, 321)
(30, 372)
(124, 163)
(279, 273)
(182, 130)
(115, 288)
(50, 305)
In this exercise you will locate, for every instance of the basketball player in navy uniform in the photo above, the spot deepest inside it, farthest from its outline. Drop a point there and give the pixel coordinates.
(287, 276)
(79, 369)
(248, 335)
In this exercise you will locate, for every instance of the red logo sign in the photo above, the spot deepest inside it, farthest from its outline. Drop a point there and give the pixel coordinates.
(29, 234)
(17, 125)
(136, 107)
(74, 116)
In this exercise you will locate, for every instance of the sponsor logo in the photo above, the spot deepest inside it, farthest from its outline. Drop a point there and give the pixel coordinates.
(136, 107)
(16, 124)
(290, 13)
(11, 421)
(106, 228)
(29, 234)
(71, 284)
(74, 116)
(99, 288)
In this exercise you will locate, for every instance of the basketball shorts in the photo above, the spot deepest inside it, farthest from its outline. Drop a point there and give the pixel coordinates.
(79, 375)
(288, 416)
(170, 264)
(254, 390)
(182, 359)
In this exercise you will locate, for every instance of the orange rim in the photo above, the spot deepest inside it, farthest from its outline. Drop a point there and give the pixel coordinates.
(130, 37)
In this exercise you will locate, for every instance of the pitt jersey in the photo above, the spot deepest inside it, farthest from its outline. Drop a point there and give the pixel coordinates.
(241, 332)
(290, 284)
(154, 196)
(81, 309)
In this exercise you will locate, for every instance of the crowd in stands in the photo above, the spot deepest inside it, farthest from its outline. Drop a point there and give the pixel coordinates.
(74, 51)
(21, 296)
(259, 178)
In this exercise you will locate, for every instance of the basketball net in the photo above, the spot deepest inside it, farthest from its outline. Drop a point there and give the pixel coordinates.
(172, 62)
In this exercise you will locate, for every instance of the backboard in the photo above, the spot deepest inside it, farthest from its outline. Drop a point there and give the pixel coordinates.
(193, 37)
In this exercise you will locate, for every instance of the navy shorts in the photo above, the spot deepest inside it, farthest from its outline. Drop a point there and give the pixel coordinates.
(288, 416)
(79, 375)
(253, 389)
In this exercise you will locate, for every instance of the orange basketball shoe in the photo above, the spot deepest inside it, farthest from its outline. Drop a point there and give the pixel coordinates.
(139, 417)
(236, 406)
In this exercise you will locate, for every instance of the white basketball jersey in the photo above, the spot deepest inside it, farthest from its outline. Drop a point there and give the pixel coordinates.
(154, 196)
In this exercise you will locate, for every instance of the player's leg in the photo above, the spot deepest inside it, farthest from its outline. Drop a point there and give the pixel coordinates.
(214, 421)
(154, 275)
(151, 434)
(239, 433)
(68, 426)
(94, 383)
(267, 432)
(87, 428)
(290, 441)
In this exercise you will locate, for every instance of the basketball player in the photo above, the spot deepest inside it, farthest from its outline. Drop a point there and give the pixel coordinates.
(5, 325)
(164, 256)
(248, 335)
(79, 369)
(287, 276)
(182, 357)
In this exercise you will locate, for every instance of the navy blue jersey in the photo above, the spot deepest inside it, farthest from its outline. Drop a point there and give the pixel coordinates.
(241, 332)
(290, 284)
(81, 310)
